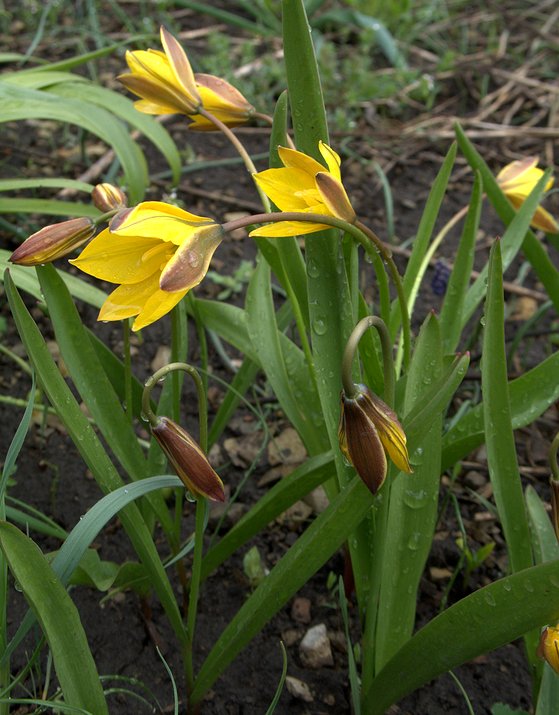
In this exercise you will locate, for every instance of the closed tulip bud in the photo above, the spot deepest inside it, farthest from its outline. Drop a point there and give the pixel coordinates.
(334, 196)
(107, 197)
(188, 460)
(368, 431)
(548, 648)
(53, 242)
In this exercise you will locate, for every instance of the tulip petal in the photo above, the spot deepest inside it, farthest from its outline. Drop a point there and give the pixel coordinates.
(283, 186)
(331, 158)
(180, 66)
(281, 229)
(122, 259)
(541, 219)
(191, 261)
(156, 219)
(293, 159)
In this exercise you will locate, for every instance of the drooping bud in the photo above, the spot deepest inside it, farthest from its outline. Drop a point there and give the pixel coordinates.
(53, 242)
(107, 197)
(188, 460)
(548, 647)
(368, 431)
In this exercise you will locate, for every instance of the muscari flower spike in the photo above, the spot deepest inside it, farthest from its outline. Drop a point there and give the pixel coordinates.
(188, 460)
(157, 253)
(167, 85)
(517, 180)
(368, 431)
(304, 185)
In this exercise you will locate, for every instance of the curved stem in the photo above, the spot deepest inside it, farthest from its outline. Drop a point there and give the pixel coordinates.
(367, 238)
(152, 418)
(386, 255)
(370, 321)
(243, 153)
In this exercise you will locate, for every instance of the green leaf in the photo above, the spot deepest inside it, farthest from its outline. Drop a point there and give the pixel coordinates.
(544, 540)
(451, 312)
(43, 183)
(326, 534)
(499, 437)
(487, 619)
(90, 449)
(533, 249)
(26, 279)
(414, 275)
(530, 396)
(265, 339)
(59, 621)
(49, 207)
(413, 508)
(510, 245)
(123, 108)
(281, 496)
(20, 103)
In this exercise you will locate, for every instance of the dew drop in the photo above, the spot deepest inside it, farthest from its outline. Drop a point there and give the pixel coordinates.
(319, 326)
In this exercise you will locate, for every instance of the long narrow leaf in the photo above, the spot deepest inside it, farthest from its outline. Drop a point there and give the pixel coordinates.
(533, 249)
(91, 449)
(281, 496)
(487, 619)
(530, 396)
(59, 621)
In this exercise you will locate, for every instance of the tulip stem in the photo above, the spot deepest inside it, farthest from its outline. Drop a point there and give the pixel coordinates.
(362, 234)
(370, 321)
(127, 358)
(243, 153)
(152, 418)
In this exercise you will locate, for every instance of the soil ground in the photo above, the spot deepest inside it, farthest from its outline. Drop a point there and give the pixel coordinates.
(123, 630)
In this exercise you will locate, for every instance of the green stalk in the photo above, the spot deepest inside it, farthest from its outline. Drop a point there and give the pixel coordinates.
(201, 506)
(127, 377)
(243, 153)
(362, 234)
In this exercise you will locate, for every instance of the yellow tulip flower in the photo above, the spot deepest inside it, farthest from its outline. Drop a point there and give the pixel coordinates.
(166, 84)
(517, 180)
(157, 253)
(304, 185)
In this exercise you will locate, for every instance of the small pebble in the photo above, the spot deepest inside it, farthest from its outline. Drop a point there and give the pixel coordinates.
(314, 649)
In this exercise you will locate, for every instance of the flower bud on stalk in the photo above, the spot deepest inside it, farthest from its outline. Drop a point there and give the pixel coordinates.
(53, 242)
(548, 648)
(368, 431)
(188, 460)
(107, 197)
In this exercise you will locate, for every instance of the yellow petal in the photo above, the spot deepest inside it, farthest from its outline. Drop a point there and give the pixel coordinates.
(180, 66)
(514, 171)
(151, 64)
(144, 299)
(282, 186)
(156, 219)
(121, 259)
(147, 107)
(541, 219)
(331, 158)
(293, 159)
(157, 93)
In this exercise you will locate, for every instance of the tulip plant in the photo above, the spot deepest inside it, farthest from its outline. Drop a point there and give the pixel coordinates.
(368, 397)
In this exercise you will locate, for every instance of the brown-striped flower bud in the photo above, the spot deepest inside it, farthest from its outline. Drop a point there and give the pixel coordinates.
(368, 431)
(548, 648)
(53, 242)
(107, 197)
(188, 460)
